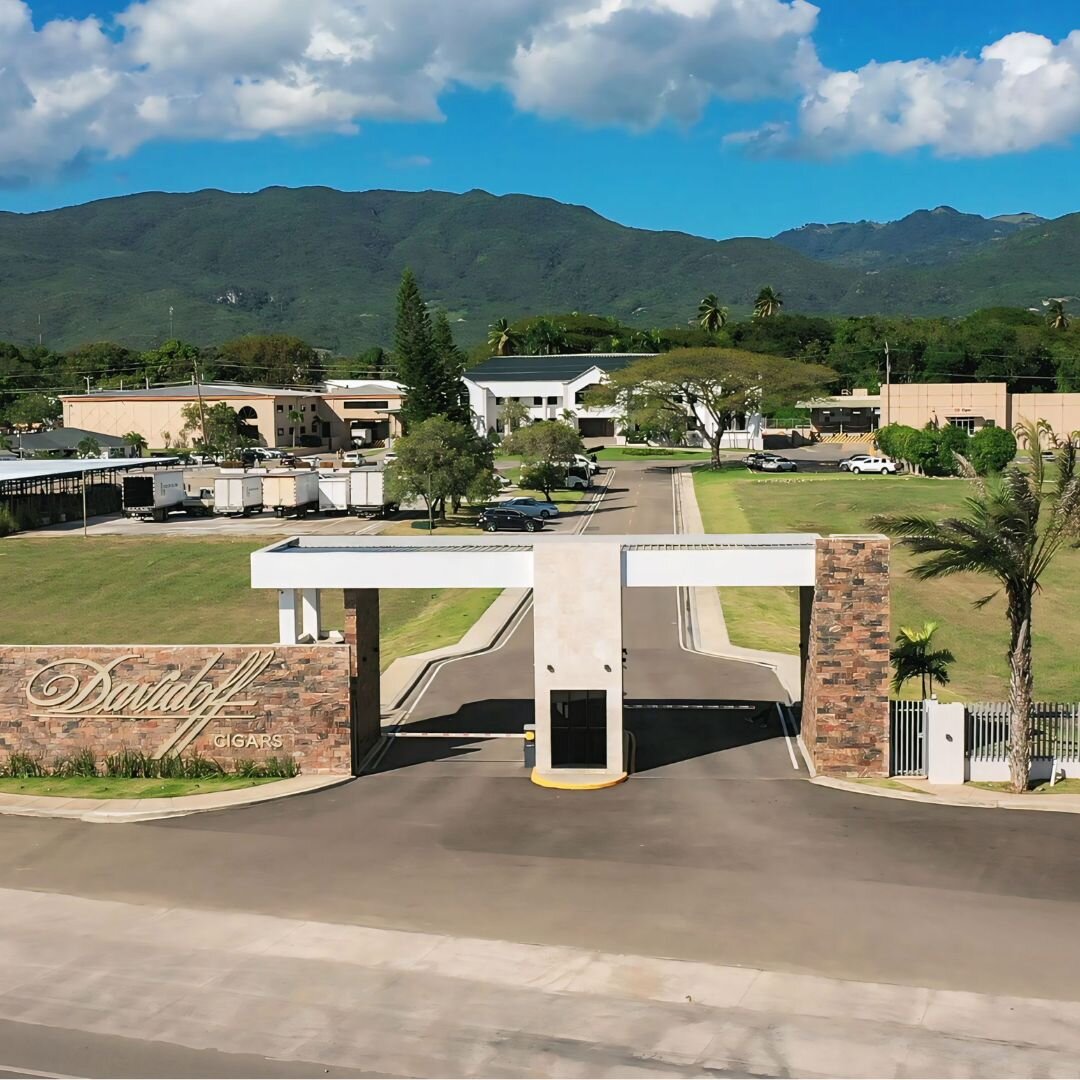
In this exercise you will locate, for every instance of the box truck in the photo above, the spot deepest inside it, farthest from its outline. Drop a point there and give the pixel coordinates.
(151, 495)
(291, 492)
(334, 491)
(238, 492)
(367, 493)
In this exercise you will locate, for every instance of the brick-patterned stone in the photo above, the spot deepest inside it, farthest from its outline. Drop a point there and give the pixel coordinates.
(845, 710)
(301, 699)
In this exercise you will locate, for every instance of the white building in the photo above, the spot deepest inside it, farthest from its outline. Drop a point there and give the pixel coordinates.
(549, 386)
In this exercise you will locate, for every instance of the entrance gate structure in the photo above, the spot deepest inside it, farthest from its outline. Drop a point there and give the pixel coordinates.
(577, 584)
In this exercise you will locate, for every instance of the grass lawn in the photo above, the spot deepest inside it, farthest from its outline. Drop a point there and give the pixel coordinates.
(837, 503)
(634, 453)
(1070, 786)
(166, 590)
(115, 787)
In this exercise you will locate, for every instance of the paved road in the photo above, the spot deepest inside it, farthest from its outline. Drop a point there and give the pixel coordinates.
(714, 852)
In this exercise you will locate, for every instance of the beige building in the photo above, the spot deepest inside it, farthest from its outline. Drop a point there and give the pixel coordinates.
(971, 406)
(272, 417)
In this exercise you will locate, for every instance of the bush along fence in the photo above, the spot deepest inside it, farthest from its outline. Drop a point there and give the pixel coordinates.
(932, 451)
(955, 743)
(136, 765)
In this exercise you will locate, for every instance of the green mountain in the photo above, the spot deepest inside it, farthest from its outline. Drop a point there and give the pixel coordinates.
(325, 264)
(923, 238)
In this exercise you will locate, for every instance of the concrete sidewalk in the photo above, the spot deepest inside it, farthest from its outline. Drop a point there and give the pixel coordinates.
(393, 1002)
(956, 795)
(120, 811)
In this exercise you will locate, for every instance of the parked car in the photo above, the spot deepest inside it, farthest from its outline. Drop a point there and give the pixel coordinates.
(882, 465)
(355, 457)
(845, 465)
(770, 463)
(389, 457)
(586, 461)
(533, 507)
(495, 518)
(266, 453)
(503, 481)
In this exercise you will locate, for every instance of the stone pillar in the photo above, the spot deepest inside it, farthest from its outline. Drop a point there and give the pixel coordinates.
(362, 637)
(577, 645)
(845, 710)
(288, 616)
(311, 612)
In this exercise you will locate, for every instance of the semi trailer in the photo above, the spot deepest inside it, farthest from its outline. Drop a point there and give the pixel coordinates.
(291, 492)
(152, 495)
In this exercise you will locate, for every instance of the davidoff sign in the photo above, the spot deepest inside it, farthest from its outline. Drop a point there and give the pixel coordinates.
(83, 689)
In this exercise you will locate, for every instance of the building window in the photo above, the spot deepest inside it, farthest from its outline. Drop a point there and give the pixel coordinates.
(367, 404)
(281, 408)
(281, 431)
(498, 401)
(553, 401)
(499, 425)
(964, 423)
(538, 401)
(303, 430)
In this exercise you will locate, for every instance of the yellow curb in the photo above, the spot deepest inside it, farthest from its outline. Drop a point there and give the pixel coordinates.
(565, 785)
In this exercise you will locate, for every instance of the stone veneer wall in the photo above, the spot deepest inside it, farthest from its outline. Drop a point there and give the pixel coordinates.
(296, 703)
(845, 710)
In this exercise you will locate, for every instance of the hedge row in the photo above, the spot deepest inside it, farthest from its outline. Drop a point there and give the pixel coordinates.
(933, 450)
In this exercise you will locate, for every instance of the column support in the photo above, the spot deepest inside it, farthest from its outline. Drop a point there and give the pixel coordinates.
(311, 612)
(362, 638)
(288, 616)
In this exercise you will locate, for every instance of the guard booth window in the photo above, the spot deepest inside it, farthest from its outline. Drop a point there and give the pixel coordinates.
(579, 729)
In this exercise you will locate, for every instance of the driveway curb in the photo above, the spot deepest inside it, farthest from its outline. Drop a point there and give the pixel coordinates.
(124, 811)
(951, 796)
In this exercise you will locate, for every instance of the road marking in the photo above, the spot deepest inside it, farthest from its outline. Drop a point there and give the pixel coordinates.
(789, 742)
(454, 734)
(18, 1070)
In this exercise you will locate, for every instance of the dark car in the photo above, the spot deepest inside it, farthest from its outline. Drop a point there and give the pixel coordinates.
(770, 463)
(497, 518)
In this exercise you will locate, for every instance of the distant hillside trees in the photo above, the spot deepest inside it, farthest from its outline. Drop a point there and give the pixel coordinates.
(270, 359)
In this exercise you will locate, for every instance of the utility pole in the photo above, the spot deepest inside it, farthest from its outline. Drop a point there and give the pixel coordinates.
(202, 408)
(171, 323)
(88, 384)
(84, 504)
(888, 385)
(39, 337)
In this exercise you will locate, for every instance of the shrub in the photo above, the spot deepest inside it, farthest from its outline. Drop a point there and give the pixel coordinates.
(952, 440)
(132, 765)
(992, 449)
(8, 524)
(81, 763)
(24, 765)
(248, 767)
(284, 767)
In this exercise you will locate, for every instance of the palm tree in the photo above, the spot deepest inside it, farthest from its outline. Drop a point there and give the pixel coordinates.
(1057, 316)
(88, 447)
(711, 314)
(294, 419)
(502, 339)
(1014, 526)
(768, 303)
(568, 416)
(648, 341)
(545, 338)
(915, 657)
(137, 442)
(514, 413)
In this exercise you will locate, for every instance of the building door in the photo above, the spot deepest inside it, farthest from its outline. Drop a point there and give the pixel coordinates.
(579, 729)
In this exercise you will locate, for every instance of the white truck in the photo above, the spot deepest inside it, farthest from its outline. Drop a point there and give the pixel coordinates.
(367, 493)
(334, 491)
(291, 492)
(151, 495)
(238, 492)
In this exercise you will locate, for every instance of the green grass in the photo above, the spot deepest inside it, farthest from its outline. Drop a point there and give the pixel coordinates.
(1070, 786)
(113, 591)
(110, 787)
(836, 503)
(636, 453)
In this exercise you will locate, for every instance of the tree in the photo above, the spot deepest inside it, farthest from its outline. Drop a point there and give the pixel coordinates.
(295, 416)
(648, 341)
(768, 303)
(439, 460)
(1056, 315)
(1014, 526)
(546, 449)
(274, 359)
(222, 434)
(711, 314)
(514, 413)
(175, 361)
(710, 386)
(502, 339)
(914, 657)
(137, 441)
(33, 409)
(568, 416)
(88, 447)
(456, 406)
(545, 338)
(431, 388)
(991, 449)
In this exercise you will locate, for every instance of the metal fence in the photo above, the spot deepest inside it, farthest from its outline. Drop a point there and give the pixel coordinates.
(1056, 731)
(907, 738)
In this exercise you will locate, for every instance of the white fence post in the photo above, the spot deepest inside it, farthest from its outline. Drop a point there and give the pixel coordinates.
(945, 743)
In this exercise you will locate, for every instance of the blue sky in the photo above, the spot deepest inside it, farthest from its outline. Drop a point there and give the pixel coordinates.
(666, 114)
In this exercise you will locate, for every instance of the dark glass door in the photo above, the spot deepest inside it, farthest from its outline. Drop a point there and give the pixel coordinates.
(579, 729)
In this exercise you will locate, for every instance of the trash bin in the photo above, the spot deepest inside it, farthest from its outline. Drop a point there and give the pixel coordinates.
(529, 746)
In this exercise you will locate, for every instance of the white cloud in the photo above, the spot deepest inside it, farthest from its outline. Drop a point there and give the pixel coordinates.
(180, 69)
(1020, 93)
(75, 89)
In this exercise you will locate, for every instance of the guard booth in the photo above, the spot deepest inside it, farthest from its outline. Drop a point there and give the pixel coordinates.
(577, 583)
